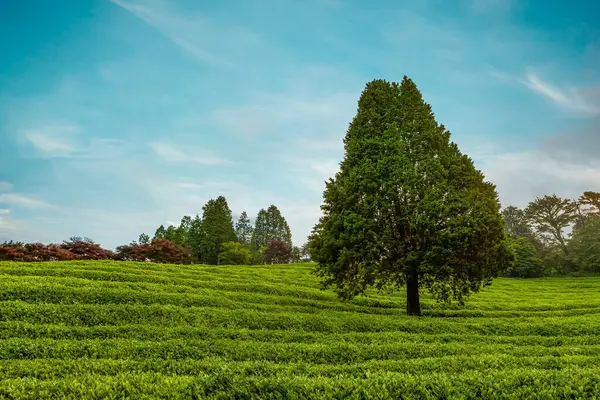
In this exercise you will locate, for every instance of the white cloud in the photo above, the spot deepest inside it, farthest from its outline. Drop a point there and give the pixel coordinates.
(171, 153)
(571, 99)
(52, 141)
(4, 211)
(67, 141)
(195, 35)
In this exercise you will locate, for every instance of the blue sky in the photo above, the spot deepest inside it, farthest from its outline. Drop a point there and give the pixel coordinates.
(118, 116)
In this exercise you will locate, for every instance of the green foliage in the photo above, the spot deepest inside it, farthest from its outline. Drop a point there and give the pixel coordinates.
(217, 228)
(235, 253)
(144, 239)
(527, 264)
(244, 229)
(584, 246)
(161, 233)
(270, 225)
(407, 208)
(106, 329)
(550, 215)
(590, 201)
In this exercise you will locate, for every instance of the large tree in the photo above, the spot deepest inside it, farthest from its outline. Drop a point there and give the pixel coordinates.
(550, 215)
(407, 208)
(217, 227)
(271, 225)
(244, 229)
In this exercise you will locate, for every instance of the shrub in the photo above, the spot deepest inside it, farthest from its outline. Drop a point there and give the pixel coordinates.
(31, 252)
(162, 251)
(86, 249)
(235, 253)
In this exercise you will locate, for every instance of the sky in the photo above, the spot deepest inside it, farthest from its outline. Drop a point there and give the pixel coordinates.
(117, 116)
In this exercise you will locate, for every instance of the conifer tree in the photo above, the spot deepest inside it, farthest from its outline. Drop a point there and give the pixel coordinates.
(244, 229)
(407, 208)
(217, 228)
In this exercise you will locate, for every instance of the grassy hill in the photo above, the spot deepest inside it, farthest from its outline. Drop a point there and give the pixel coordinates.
(116, 330)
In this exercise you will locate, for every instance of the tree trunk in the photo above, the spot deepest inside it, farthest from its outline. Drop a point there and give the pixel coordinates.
(413, 305)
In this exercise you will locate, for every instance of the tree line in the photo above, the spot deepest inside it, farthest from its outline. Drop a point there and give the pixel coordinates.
(214, 239)
(540, 238)
(211, 239)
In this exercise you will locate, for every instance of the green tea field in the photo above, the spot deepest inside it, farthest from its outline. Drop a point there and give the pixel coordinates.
(108, 330)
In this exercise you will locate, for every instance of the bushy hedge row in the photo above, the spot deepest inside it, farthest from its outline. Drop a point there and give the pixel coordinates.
(159, 250)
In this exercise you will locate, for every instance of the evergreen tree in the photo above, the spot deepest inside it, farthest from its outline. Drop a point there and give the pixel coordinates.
(195, 238)
(271, 225)
(160, 233)
(407, 207)
(217, 228)
(244, 229)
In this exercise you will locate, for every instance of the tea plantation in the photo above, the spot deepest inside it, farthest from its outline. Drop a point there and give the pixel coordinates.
(108, 330)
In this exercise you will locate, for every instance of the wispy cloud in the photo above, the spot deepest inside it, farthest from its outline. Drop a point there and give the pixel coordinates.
(55, 141)
(67, 141)
(571, 99)
(196, 35)
(172, 153)
(21, 201)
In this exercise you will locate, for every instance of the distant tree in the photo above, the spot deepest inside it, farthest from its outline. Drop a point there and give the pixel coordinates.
(261, 230)
(590, 202)
(161, 233)
(515, 223)
(550, 215)
(407, 207)
(130, 252)
(278, 252)
(258, 255)
(235, 253)
(195, 238)
(30, 252)
(271, 225)
(304, 253)
(244, 229)
(527, 264)
(296, 257)
(584, 246)
(163, 251)
(144, 239)
(217, 226)
(86, 249)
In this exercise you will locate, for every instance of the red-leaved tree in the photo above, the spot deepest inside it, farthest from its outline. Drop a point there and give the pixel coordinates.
(159, 250)
(86, 249)
(277, 252)
(31, 252)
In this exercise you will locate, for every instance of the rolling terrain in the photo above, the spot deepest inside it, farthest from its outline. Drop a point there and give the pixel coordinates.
(105, 329)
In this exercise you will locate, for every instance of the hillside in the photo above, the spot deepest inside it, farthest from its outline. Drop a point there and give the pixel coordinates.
(116, 329)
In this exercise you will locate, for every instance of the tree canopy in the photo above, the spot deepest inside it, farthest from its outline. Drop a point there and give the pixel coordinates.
(217, 228)
(407, 208)
(270, 225)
